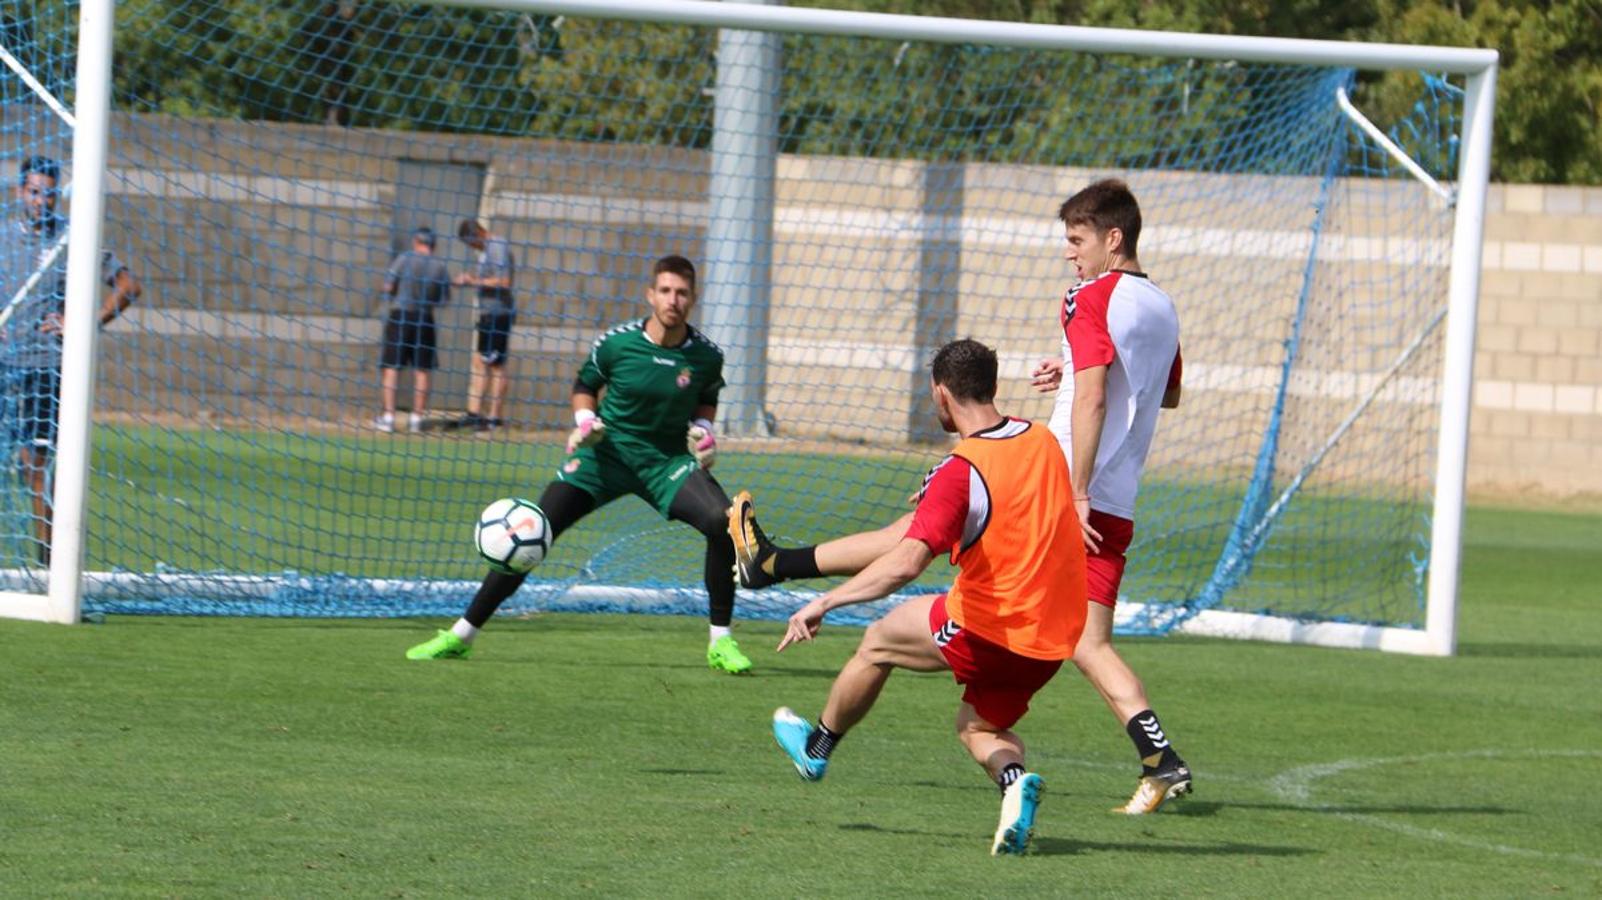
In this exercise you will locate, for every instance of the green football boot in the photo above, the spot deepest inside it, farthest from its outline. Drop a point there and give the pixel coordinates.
(724, 655)
(443, 645)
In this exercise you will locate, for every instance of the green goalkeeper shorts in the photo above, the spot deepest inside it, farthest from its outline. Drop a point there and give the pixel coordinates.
(616, 467)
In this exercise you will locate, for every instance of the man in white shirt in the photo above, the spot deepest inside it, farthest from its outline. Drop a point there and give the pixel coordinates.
(1121, 348)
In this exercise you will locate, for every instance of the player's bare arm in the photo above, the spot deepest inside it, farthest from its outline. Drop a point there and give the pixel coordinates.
(1171, 397)
(125, 289)
(882, 577)
(1089, 415)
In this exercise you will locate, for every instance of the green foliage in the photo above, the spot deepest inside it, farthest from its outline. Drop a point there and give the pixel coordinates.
(1549, 100)
(383, 64)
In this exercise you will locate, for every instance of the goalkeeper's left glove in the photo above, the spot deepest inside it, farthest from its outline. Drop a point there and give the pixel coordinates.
(701, 442)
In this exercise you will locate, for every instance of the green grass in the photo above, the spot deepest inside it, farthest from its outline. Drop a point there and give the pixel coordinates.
(397, 506)
(595, 755)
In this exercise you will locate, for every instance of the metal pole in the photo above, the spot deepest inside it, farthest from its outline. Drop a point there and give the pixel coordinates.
(89, 145)
(739, 237)
(1457, 386)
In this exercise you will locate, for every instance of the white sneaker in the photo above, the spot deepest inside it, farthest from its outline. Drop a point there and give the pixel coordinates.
(385, 423)
(1018, 805)
(415, 423)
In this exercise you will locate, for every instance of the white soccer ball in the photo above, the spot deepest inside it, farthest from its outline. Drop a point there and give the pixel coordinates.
(512, 535)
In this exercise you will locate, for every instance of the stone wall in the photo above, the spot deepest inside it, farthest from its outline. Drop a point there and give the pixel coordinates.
(262, 246)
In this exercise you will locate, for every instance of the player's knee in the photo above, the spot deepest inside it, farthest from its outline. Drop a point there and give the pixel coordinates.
(872, 649)
(714, 527)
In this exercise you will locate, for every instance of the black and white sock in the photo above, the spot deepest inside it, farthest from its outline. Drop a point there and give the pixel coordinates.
(1151, 744)
(1011, 773)
(820, 743)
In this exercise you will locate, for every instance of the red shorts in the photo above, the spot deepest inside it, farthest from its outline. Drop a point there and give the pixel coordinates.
(1104, 569)
(999, 682)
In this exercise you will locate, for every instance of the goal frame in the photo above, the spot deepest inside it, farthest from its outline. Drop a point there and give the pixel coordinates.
(63, 600)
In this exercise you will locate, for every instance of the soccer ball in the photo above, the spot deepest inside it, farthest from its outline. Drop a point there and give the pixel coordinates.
(512, 535)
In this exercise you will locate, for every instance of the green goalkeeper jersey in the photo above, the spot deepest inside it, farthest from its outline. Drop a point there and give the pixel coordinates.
(652, 391)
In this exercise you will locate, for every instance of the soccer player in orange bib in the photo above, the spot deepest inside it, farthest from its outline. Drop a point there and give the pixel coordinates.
(1002, 505)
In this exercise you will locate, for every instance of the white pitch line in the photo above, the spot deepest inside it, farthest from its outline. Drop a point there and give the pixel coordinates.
(1295, 786)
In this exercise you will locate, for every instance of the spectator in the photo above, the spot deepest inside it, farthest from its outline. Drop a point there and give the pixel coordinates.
(496, 314)
(31, 349)
(417, 281)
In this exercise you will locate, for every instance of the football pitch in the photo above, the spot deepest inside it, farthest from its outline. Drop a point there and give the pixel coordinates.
(596, 755)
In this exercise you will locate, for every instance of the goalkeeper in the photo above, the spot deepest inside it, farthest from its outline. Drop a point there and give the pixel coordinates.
(649, 435)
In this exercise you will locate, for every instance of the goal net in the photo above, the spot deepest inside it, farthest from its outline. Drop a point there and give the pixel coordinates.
(853, 201)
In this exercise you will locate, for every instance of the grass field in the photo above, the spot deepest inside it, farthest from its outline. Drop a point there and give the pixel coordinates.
(595, 755)
(397, 506)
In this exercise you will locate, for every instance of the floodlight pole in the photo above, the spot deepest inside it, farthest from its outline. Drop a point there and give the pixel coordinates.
(82, 324)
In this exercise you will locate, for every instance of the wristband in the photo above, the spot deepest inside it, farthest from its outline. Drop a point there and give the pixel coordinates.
(705, 424)
(580, 416)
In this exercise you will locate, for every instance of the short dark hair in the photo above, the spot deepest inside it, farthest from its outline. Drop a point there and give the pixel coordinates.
(678, 265)
(424, 235)
(967, 369)
(1104, 205)
(42, 165)
(469, 228)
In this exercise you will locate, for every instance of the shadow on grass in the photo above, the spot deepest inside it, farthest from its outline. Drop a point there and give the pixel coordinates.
(1049, 846)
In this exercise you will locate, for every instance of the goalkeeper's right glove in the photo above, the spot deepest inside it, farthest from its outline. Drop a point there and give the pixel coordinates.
(587, 432)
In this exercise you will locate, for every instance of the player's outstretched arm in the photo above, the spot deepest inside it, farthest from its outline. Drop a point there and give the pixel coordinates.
(883, 577)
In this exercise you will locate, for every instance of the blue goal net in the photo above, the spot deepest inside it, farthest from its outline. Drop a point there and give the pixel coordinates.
(853, 204)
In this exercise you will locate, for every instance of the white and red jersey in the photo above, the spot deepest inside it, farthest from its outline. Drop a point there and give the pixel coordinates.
(1124, 322)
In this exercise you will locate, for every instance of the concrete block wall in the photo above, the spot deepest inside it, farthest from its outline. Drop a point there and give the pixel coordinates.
(1537, 422)
(262, 244)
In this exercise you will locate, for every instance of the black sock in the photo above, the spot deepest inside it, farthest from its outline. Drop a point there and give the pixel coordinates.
(1012, 772)
(820, 743)
(1150, 742)
(799, 562)
(497, 586)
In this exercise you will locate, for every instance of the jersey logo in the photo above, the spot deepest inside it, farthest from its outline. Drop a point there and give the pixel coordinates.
(928, 477)
(683, 380)
(663, 362)
(1070, 302)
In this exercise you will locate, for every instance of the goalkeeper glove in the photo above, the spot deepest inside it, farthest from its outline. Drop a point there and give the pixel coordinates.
(587, 432)
(702, 443)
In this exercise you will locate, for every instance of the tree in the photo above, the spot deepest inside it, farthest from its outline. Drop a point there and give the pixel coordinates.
(386, 64)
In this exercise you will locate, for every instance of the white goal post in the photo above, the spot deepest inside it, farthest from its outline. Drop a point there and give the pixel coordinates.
(62, 601)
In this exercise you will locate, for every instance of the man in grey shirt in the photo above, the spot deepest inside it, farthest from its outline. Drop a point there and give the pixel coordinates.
(30, 342)
(417, 281)
(496, 314)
